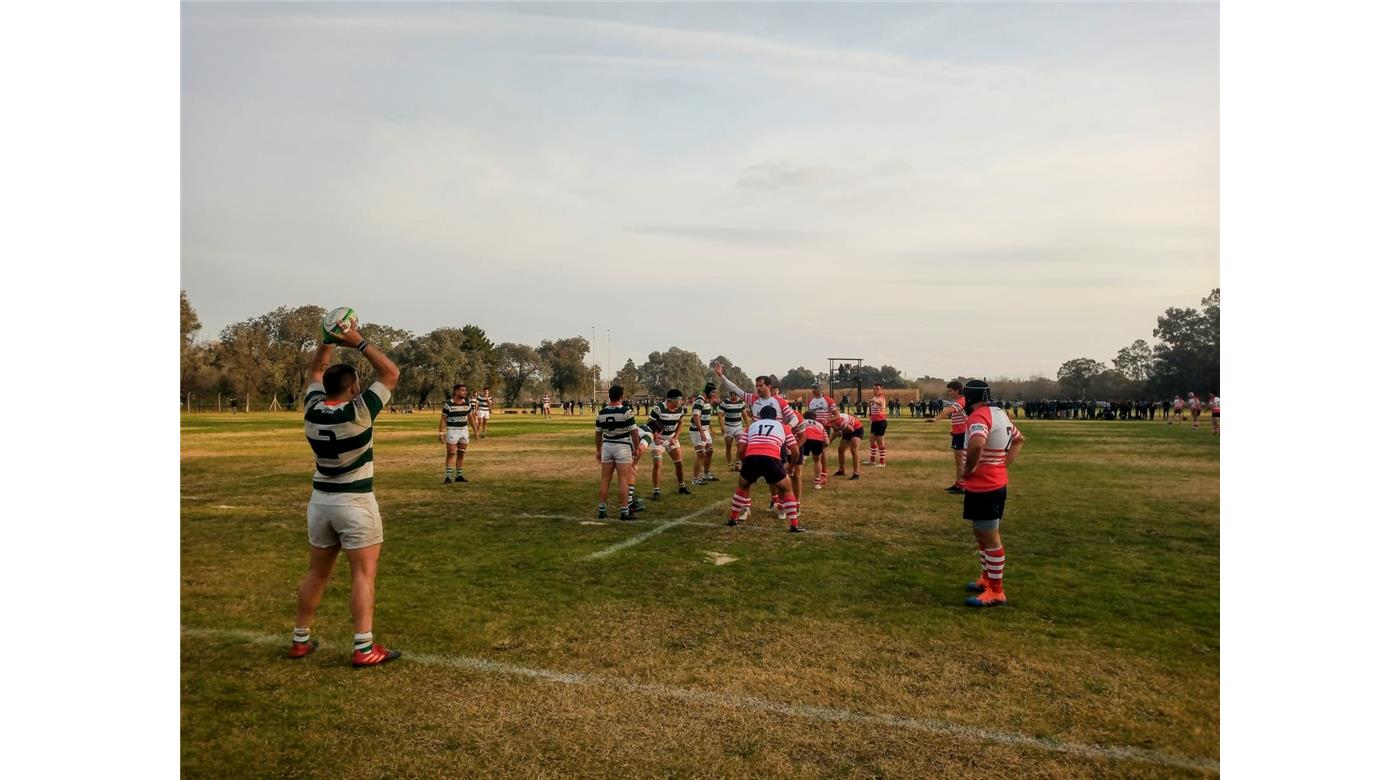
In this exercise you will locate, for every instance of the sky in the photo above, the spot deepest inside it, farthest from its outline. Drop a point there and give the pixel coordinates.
(952, 189)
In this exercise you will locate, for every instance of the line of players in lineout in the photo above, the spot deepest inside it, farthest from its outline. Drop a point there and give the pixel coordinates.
(343, 514)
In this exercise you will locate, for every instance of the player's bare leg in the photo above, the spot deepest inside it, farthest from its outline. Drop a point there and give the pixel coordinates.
(679, 463)
(655, 475)
(313, 586)
(603, 484)
(461, 455)
(364, 567)
(959, 460)
(791, 507)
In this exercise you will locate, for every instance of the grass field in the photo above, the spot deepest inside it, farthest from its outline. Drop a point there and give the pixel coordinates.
(846, 652)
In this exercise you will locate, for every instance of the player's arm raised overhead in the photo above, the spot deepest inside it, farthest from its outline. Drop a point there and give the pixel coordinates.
(320, 361)
(385, 372)
(729, 385)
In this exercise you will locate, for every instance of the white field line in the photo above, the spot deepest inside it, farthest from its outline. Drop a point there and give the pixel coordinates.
(757, 704)
(645, 535)
(744, 527)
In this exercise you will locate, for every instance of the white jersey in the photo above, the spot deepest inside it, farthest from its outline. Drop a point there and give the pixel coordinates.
(820, 407)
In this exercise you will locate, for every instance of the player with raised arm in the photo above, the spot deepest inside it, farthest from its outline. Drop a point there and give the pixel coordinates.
(701, 438)
(617, 441)
(762, 396)
(993, 443)
(454, 430)
(878, 424)
(483, 411)
(763, 448)
(665, 420)
(732, 409)
(851, 430)
(342, 513)
(956, 415)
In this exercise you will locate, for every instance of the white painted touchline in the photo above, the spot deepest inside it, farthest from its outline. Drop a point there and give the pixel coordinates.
(757, 704)
(645, 535)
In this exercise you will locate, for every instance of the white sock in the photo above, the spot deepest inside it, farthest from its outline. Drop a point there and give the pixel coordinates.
(363, 642)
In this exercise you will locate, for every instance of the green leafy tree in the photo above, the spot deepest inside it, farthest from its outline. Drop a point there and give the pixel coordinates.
(1074, 376)
(676, 367)
(474, 342)
(390, 340)
(735, 374)
(566, 371)
(248, 356)
(295, 334)
(433, 362)
(1188, 352)
(1135, 362)
(797, 379)
(519, 366)
(629, 378)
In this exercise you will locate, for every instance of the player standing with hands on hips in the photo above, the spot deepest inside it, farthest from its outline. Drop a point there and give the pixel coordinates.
(993, 443)
(343, 513)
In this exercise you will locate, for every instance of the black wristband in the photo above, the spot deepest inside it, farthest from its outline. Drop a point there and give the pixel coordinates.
(363, 345)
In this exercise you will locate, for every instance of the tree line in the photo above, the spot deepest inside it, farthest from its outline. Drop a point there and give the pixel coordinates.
(265, 357)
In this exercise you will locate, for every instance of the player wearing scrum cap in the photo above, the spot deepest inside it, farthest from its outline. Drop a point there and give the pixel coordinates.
(454, 430)
(732, 409)
(665, 421)
(993, 443)
(701, 438)
(764, 447)
(343, 514)
(617, 442)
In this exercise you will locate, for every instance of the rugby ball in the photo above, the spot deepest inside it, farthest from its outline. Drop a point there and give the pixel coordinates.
(336, 322)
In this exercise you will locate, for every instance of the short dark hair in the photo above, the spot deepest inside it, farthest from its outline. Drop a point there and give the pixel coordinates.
(768, 413)
(674, 393)
(339, 378)
(810, 415)
(955, 385)
(459, 384)
(615, 393)
(760, 378)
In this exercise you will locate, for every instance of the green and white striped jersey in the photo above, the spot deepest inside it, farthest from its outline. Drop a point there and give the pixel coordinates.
(702, 405)
(458, 414)
(733, 413)
(665, 421)
(616, 423)
(483, 403)
(341, 435)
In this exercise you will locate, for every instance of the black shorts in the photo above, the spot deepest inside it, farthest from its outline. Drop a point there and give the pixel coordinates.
(858, 433)
(959, 441)
(1215, 414)
(877, 427)
(763, 467)
(984, 509)
(813, 447)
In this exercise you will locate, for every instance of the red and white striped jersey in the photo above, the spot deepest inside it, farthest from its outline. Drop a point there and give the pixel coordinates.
(991, 424)
(1215, 404)
(1176, 404)
(1194, 403)
(844, 422)
(821, 406)
(767, 437)
(958, 417)
(814, 431)
(877, 408)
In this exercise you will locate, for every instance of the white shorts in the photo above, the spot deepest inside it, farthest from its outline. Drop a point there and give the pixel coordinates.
(664, 445)
(484, 414)
(351, 526)
(462, 435)
(617, 452)
(733, 431)
(701, 440)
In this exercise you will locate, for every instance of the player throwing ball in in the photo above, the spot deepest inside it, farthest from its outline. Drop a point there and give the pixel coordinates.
(763, 448)
(454, 430)
(617, 442)
(343, 513)
(993, 443)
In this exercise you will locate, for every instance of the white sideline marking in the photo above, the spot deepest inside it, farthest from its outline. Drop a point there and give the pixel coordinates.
(745, 527)
(757, 704)
(645, 535)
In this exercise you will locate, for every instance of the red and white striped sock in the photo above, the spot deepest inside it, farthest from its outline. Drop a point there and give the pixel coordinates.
(882, 454)
(993, 564)
(790, 508)
(739, 503)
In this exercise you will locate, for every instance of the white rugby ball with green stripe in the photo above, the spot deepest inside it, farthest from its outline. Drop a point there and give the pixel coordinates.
(336, 322)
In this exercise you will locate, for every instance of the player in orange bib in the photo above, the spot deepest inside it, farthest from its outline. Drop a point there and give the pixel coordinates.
(993, 443)
(764, 447)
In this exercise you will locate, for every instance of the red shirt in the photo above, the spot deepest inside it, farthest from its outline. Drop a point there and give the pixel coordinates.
(768, 438)
(814, 431)
(990, 424)
(877, 408)
(844, 422)
(959, 418)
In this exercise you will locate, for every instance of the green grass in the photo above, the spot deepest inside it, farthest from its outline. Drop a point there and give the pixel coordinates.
(1112, 635)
